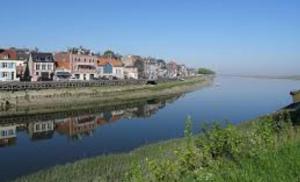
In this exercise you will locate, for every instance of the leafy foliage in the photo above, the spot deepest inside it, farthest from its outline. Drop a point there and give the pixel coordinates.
(205, 71)
(204, 157)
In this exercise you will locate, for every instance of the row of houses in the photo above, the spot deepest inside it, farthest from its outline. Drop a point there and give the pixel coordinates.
(82, 64)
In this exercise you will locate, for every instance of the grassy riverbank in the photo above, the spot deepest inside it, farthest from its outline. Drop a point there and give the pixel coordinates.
(266, 149)
(57, 100)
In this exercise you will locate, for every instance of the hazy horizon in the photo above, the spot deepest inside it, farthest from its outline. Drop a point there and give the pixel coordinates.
(236, 37)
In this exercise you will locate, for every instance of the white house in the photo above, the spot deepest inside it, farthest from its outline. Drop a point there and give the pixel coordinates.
(131, 72)
(9, 65)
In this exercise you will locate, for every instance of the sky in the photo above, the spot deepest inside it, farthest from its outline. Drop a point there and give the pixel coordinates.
(230, 36)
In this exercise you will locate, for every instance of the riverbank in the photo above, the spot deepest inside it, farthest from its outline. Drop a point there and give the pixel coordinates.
(64, 99)
(247, 152)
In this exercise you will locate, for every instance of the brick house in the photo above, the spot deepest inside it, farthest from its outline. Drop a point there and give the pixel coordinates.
(81, 63)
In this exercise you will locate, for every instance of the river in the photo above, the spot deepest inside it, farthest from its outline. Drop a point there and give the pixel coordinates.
(34, 143)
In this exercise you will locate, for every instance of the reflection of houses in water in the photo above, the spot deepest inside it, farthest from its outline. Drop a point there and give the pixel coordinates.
(41, 130)
(8, 135)
(151, 107)
(77, 126)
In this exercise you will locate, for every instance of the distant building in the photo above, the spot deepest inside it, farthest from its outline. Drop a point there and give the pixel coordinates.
(182, 70)
(172, 71)
(110, 68)
(11, 69)
(151, 69)
(83, 65)
(80, 62)
(135, 61)
(41, 66)
(131, 72)
(162, 68)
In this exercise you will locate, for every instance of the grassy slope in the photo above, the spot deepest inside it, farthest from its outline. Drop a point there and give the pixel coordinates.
(111, 167)
(280, 166)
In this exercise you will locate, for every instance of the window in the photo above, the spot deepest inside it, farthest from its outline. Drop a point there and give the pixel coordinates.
(49, 67)
(37, 127)
(49, 126)
(84, 60)
(43, 127)
(4, 65)
(11, 132)
(4, 74)
(37, 66)
(11, 65)
(108, 69)
(4, 133)
(37, 73)
(43, 67)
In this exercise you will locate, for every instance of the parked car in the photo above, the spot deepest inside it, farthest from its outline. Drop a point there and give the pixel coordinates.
(62, 76)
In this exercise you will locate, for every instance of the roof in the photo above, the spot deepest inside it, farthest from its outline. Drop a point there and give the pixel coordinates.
(114, 62)
(62, 60)
(22, 56)
(42, 57)
(11, 54)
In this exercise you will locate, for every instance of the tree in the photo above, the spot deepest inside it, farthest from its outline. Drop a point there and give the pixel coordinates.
(205, 71)
(109, 53)
(27, 77)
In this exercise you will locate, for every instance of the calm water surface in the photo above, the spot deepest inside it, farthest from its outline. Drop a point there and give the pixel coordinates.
(41, 143)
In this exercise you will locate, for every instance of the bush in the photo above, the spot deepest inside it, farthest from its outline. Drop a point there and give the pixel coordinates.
(205, 71)
(202, 158)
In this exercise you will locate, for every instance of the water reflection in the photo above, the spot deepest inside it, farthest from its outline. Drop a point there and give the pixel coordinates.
(8, 135)
(76, 125)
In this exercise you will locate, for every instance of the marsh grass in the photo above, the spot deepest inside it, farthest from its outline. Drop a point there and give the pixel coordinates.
(265, 149)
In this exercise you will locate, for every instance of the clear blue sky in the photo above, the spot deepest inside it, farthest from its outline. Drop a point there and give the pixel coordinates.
(230, 36)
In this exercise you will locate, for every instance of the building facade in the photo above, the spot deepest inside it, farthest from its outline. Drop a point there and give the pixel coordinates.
(172, 71)
(80, 62)
(10, 67)
(41, 66)
(131, 72)
(110, 68)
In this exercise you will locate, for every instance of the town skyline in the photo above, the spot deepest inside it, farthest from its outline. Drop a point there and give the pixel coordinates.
(228, 37)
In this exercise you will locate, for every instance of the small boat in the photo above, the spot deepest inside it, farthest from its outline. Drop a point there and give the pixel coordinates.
(296, 96)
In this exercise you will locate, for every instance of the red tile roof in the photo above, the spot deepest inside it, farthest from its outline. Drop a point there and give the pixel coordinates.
(11, 54)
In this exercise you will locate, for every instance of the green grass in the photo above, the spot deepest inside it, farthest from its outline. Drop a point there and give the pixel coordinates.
(265, 149)
(279, 166)
(103, 168)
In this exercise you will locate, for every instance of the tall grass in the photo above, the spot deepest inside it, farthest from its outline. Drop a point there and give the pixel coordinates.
(267, 149)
